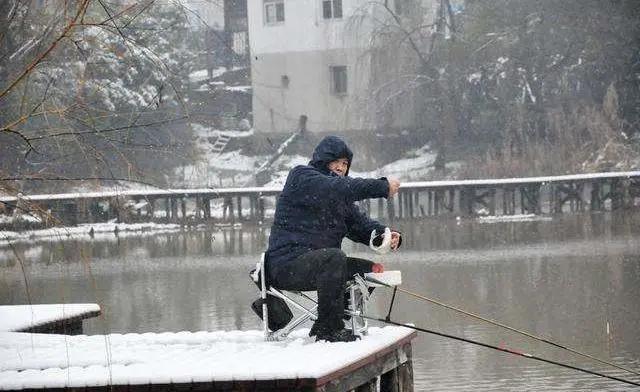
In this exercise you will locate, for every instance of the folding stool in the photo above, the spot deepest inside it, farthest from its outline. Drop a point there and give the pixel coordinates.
(358, 298)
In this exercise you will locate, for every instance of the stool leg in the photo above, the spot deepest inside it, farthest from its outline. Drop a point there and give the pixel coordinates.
(263, 295)
(358, 298)
(352, 307)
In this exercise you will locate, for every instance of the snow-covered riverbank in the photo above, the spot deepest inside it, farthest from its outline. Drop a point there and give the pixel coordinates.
(89, 230)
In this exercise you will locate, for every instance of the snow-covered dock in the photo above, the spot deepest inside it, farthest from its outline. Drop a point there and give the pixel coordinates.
(234, 360)
(51, 318)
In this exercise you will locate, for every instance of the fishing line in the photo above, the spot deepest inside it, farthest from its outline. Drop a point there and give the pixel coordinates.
(503, 349)
(499, 324)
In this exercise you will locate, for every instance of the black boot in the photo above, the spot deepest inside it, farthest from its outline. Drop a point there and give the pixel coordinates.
(314, 330)
(340, 335)
(325, 327)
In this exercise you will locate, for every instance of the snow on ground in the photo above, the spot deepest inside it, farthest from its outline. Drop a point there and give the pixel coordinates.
(243, 89)
(20, 317)
(198, 76)
(37, 360)
(118, 186)
(417, 165)
(202, 74)
(283, 165)
(513, 218)
(84, 230)
(6, 219)
(233, 160)
(228, 169)
(207, 172)
(209, 132)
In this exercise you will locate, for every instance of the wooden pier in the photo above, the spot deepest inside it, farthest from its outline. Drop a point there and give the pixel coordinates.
(416, 200)
(207, 361)
(47, 318)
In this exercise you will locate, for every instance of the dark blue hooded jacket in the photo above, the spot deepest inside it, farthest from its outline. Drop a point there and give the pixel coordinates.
(316, 207)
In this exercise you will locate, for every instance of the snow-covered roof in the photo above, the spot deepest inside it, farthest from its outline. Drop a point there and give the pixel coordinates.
(57, 361)
(22, 317)
(275, 189)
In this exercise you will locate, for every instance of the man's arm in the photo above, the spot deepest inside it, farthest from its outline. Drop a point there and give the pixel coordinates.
(316, 185)
(360, 226)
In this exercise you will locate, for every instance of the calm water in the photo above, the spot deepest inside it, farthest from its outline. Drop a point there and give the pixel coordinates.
(564, 279)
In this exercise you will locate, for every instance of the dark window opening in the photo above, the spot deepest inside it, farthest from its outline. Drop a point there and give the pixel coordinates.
(338, 79)
(332, 9)
(273, 11)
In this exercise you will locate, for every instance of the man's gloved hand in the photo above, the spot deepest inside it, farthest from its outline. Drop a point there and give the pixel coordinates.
(383, 242)
(396, 240)
(380, 242)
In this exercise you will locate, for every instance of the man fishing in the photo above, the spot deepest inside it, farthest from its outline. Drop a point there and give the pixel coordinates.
(314, 212)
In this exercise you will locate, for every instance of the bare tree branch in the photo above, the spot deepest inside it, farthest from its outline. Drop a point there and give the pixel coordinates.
(67, 29)
(98, 131)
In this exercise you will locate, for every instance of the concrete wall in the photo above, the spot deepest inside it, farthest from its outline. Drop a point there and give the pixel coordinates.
(290, 69)
(277, 107)
(305, 29)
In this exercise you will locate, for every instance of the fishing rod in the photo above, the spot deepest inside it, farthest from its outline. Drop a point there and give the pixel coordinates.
(499, 324)
(503, 349)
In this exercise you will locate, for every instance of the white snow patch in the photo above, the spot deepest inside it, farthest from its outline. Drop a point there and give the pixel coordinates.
(219, 72)
(20, 317)
(418, 165)
(233, 160)
(37, 360)
(6, 219)
(243, 89)
(474, 77)
(84, 230)
(513, 218)
(198, 76)
(203, 131)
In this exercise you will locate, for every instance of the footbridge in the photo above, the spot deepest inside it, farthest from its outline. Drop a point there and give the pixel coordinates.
(415, 200)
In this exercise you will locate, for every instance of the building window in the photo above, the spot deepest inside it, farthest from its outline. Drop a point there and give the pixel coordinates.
(273, 11)
(332, 9)
(338, 79)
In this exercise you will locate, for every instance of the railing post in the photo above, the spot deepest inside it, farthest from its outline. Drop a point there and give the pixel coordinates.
(167, 208)
(198, 212)
(596, 196)
(174, 208)
(206, 207)
(391, 214)
(261, 209)
(239, 201)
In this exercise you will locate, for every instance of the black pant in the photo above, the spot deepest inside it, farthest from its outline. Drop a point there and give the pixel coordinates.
(325, 270)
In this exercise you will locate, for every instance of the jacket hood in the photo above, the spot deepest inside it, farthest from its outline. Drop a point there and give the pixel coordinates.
(329, 149)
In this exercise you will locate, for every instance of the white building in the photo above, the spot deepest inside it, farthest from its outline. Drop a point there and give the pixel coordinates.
(319, 58)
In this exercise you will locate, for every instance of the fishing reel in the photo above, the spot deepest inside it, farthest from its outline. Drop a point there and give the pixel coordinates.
(380, 243)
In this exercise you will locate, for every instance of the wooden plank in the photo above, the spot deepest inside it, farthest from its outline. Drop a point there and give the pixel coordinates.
(370, 386)
(389, 381)
(381, 361)
(47, 318)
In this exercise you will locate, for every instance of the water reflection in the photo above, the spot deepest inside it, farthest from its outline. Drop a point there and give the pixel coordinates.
(564, 279)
